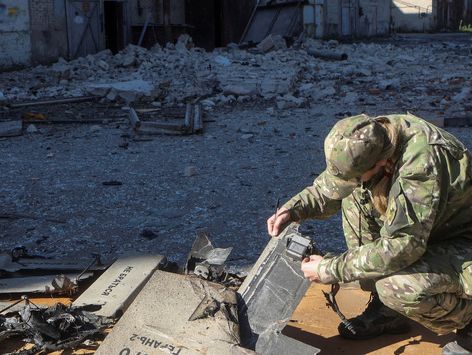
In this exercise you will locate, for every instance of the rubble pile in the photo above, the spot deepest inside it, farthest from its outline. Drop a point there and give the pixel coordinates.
(427, 73)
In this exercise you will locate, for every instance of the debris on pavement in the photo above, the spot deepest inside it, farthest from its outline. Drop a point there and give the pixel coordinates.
(327, 54)
(206, 261)
(313, 70)
(52, 101)
(190, 123)
(55, 328)
(272, 42)
(11, 128)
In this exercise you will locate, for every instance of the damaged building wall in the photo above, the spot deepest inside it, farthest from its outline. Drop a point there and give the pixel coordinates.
(373, 18)
(357, 18)
(409, 16)
(48, 30)
(15, 42)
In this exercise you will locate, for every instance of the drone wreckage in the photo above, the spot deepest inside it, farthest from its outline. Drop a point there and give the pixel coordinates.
(155, 307)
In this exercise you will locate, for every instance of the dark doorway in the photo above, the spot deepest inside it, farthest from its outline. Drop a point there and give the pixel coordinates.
(114, 25)
(216, 23)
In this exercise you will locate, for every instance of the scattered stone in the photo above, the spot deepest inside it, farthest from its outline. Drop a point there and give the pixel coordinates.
(226, 99)
(127, 61)
(374, 91)
(208, 104)
(351, 98)
(247, 136)
(184, 43)
(271, 87)
(333, 43)
(156, 104)
(103, 65)
(190, 171)
(272, 42)
(289, 101)
(224, 61)
(2, 97)
(239, 90)
(11, 128)
(232, 46)
(464, 94)
(243, 99)
(95, 128)
(112, 94)
(391, 84)
(32, 129)
(128, 90)
(112, 183)
(148, 234)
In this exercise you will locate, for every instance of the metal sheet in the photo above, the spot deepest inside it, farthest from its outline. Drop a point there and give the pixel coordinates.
(269, 296)
(284, 19)
(84, 27)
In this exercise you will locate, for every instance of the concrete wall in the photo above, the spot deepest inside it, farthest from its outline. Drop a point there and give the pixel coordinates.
(15, 42)
(333, 18)
(357, 18)
(373, 18)
(413, 16)
(48, 30)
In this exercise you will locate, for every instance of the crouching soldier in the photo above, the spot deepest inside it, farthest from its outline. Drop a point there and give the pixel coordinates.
(404, 188)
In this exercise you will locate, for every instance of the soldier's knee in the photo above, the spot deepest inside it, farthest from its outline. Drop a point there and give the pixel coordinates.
(398, 294)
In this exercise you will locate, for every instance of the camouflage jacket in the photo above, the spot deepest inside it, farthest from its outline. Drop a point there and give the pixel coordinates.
(430, 200)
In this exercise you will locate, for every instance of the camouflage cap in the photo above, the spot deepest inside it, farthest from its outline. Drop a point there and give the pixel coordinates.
(352, 147)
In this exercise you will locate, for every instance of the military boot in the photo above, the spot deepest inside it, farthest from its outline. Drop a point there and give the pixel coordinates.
(377, 319)
(463, 343)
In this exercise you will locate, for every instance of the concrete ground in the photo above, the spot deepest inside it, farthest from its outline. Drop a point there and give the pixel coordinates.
(227, 181)
(315, 324)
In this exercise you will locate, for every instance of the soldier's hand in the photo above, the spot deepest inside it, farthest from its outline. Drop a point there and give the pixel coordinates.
(309, 267)
(275, 226)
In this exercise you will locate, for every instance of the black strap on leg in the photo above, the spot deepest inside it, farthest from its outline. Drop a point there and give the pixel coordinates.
(331, 303)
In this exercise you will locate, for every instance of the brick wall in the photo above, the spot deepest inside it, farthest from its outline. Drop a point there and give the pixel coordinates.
(42, 12)
(48, 30)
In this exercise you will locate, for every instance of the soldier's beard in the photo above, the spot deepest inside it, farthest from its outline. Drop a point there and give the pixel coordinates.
(380, 191)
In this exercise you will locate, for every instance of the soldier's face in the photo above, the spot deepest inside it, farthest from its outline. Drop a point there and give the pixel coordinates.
(376, 169)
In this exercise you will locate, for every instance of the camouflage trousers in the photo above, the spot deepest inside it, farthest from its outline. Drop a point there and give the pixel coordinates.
(435, 291)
